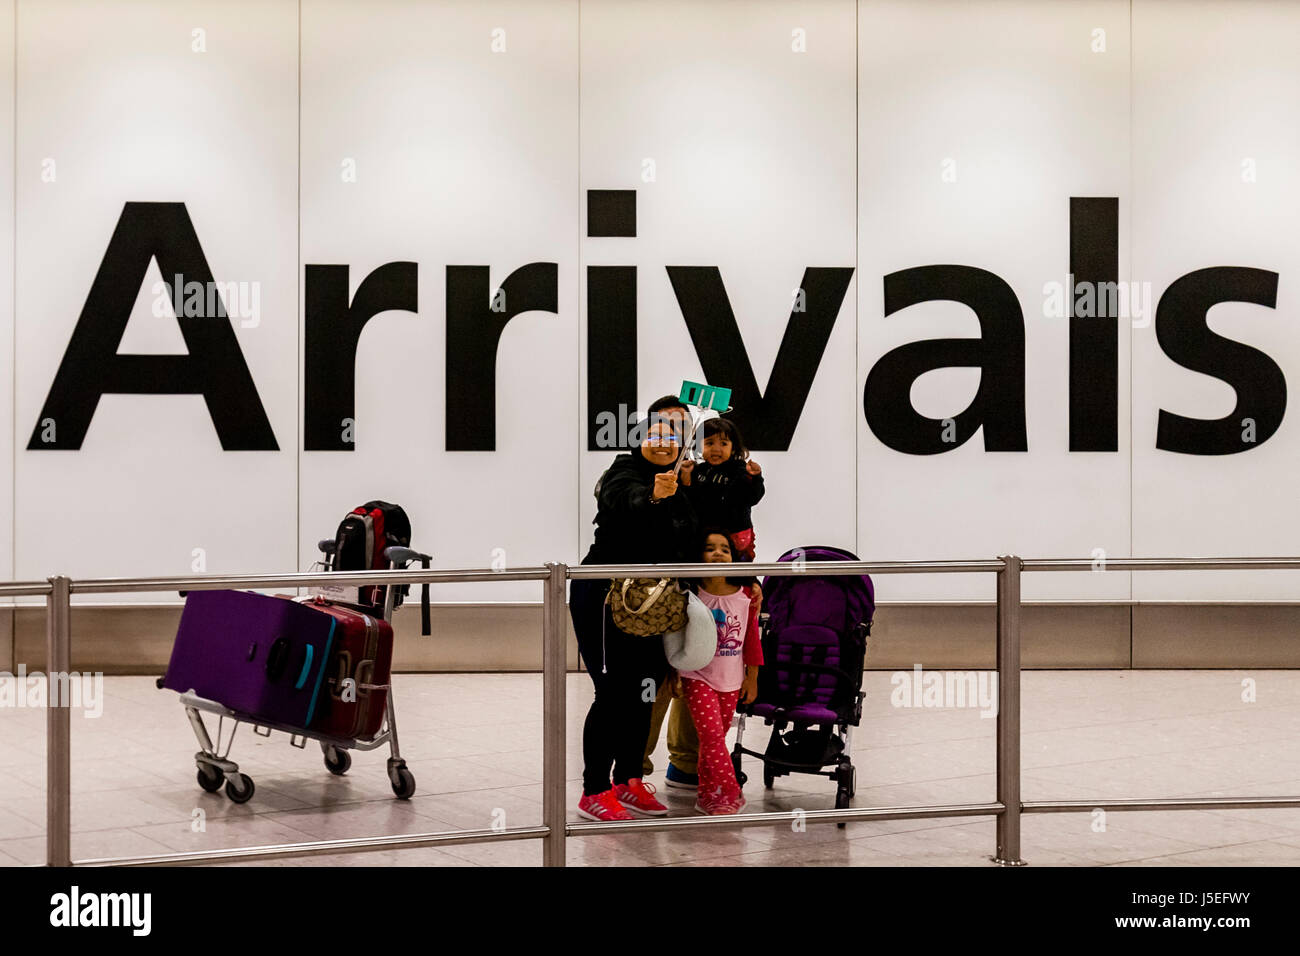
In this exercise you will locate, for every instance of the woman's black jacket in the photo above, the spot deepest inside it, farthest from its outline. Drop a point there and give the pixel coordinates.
(630, 528)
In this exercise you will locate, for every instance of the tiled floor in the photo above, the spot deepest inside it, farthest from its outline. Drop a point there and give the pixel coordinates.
(474, 745)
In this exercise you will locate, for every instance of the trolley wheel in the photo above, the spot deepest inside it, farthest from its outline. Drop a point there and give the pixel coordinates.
(337, 761)
(403, 783)
(211, 778)
(769, 777)
(242, 791)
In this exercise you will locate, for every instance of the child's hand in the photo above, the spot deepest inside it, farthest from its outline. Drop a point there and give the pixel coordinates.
(752, 468)
(749, 689)
(685, 472)
(758, 597)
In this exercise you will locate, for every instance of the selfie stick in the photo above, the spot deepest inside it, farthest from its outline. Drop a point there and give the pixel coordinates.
(712, 398)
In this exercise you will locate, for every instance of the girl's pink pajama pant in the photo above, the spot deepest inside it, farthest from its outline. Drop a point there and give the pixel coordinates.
(711, 712)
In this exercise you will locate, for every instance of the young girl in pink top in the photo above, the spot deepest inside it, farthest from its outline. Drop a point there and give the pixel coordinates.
(712, 691)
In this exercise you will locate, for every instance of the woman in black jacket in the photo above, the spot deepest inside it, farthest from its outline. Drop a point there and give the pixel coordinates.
(642, 517)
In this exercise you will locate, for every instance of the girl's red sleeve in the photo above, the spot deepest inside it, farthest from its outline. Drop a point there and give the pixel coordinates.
(753, 651)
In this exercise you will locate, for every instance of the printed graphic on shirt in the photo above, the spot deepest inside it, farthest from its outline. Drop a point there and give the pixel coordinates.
(731, 634)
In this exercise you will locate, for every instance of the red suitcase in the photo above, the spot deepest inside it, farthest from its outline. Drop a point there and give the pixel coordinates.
(357, 674)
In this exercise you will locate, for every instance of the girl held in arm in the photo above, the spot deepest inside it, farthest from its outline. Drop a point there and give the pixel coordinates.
(725, 485)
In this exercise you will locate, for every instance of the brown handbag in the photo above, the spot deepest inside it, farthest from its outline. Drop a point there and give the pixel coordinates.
(646, 607)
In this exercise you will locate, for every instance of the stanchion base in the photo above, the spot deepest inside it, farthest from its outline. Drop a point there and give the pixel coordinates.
(1001, 862)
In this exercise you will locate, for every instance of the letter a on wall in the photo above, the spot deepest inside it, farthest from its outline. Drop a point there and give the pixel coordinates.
(214, 368)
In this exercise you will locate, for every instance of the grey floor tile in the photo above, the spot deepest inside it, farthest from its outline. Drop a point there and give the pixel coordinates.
(474, 743)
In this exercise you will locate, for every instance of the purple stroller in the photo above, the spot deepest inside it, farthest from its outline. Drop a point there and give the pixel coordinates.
(815, 631)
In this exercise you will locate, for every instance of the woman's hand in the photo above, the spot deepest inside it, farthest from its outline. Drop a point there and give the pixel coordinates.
(749, 689)
(752, 467)
(665, 486)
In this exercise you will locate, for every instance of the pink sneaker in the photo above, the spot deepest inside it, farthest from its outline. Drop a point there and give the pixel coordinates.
(639, 798)
(602, 807)
(721, 808)
(716, 805)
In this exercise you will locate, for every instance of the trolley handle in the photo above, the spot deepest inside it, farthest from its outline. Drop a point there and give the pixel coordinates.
(396, 554)
(400, 557)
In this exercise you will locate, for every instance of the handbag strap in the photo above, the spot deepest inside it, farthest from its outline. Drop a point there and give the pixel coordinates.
(649, 598)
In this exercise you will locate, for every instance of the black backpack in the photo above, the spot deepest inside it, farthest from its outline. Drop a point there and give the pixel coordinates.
(359, 545)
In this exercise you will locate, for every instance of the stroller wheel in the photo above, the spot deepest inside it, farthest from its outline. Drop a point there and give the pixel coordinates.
(240, 791)
(845, 779)
(841, 803)
(211, 778)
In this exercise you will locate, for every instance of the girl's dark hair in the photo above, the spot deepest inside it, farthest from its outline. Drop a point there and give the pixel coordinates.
(728, 430)
(699, 553)
(709, 531)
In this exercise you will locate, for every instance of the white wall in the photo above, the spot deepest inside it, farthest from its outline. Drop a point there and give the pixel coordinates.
(1213, 85)
(977, 123)
(7, 285)
(463, 156)
(878, 135)
(752, 150)
(116, 98)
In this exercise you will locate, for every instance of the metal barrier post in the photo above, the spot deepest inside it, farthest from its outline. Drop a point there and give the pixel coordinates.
(58, 716)
(1008, 758)
(555, 828)
(554, 815)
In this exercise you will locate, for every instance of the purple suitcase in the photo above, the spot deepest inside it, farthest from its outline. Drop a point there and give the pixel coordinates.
(261, 656)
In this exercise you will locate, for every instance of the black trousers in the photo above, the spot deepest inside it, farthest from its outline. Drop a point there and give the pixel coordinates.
(627, 672)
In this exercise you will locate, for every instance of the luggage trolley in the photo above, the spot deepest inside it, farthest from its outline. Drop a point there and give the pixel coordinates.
(215, 767)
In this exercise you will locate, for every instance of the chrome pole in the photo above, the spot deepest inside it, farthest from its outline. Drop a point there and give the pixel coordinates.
(1160, 803)
(1008, 825)
(292, 851)
(784, 818)
(296, 579)
(58, 717)
(784, 568)
(553, 716)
